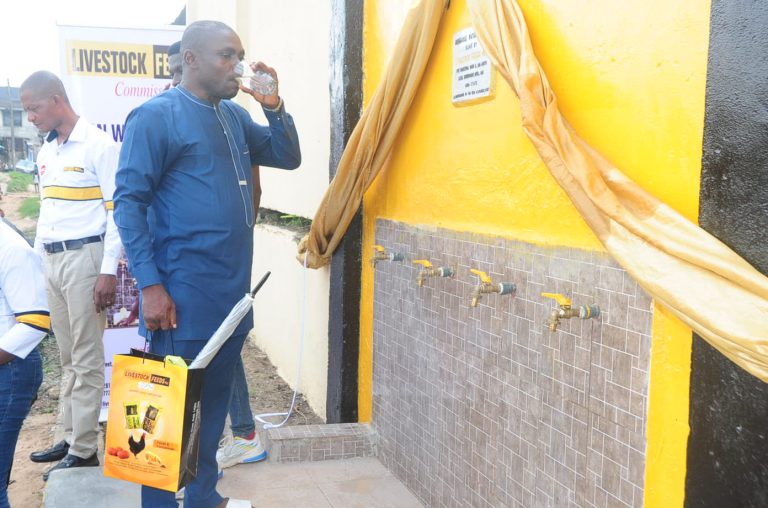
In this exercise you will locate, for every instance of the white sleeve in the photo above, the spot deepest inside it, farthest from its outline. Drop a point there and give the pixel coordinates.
(23, 285)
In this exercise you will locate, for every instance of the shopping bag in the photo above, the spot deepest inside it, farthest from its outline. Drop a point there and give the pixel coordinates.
(153, 424)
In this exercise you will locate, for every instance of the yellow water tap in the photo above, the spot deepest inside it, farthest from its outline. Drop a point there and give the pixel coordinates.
(562, 300)
(379, 254)
(487, 286)
(428, 271)
(565, 311)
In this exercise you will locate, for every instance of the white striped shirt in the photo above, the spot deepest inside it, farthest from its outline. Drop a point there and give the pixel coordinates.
(24, 318)
(77, 180)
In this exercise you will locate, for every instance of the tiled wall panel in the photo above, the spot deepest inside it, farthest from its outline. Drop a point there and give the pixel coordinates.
(485, 406)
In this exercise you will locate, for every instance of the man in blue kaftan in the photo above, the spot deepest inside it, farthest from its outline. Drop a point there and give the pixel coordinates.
(188, 153)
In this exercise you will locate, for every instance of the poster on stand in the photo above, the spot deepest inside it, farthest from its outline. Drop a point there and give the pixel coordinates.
(108, 72)
(116, 340)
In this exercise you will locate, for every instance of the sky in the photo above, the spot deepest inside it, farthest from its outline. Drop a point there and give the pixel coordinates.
(29, 35)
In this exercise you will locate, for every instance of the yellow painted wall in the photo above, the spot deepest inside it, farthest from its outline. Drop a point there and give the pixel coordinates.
(668, 428)
(630, 77)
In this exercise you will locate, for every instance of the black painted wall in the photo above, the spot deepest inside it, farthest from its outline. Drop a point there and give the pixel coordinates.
(346, 90)
(728, 446)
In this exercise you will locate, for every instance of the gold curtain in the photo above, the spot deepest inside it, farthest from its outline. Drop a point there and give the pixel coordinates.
(375, 134)
(699, 279)
(703, 282)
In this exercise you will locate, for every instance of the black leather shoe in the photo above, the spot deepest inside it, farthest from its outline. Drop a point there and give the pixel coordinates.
(71, 461)
(52, 454)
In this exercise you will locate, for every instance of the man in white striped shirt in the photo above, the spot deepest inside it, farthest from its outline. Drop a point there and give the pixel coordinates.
(80, 246)
(24, 322)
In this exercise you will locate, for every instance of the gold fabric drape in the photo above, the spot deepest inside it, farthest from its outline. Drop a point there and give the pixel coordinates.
(375, 134)
(703, 282)
(699, 279)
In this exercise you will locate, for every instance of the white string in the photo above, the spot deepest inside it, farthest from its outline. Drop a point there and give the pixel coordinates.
(302, 321)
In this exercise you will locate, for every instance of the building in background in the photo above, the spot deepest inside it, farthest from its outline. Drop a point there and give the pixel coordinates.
(19, 139)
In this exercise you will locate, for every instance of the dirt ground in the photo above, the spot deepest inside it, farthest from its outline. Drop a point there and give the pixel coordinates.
(10, 204)
(269, 393)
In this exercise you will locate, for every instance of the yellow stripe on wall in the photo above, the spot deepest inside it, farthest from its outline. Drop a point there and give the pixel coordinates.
(668, 407)
(72, 193)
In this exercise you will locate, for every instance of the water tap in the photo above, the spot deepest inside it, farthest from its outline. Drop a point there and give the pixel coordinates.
(428, 271)
(487, 286)
(565, 311)
(379, 254)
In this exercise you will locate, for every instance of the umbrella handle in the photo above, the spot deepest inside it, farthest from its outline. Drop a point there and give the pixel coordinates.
(261, 283)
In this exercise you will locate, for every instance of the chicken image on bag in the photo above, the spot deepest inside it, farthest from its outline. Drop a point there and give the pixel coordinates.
(135, 447)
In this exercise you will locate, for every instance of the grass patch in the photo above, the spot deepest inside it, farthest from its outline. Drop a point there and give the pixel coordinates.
(19, 182)
(50, 353)
(295, 223)
(30, 208)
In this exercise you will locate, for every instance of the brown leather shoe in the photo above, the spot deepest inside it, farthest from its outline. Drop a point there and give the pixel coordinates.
(52, 454)
(71, 461)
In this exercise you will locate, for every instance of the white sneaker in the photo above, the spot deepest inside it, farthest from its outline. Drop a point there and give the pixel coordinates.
(240, 451)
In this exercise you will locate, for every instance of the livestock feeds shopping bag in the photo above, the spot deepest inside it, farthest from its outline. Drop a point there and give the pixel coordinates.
(153, 424)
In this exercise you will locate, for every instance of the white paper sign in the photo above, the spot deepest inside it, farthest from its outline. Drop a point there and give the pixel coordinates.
(471, 68)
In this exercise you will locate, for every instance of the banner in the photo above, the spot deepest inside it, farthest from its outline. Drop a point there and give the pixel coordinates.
(116, 341)
(107, 72)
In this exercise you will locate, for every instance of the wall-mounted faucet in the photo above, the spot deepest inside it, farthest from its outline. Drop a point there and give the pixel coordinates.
(379, 254)
(487, 286)
(428, 271)
(565, 311)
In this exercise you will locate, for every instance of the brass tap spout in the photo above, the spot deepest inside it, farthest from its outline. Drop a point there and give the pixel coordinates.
(487, 286)
(379, 254)
(423, 274)
(565, 311)
(479, 289)
(554, 320)
(427, 270)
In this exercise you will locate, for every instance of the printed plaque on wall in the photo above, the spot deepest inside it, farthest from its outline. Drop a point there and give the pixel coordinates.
(472, 69)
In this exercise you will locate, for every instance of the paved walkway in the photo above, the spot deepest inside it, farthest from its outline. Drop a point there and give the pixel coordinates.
(350, 483)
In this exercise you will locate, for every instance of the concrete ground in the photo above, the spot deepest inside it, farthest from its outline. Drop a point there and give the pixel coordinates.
(350, 483)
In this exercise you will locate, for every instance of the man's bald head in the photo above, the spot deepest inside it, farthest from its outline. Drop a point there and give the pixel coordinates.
(44, 84)
(210, 52)
(44, 99)
(197, 35)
